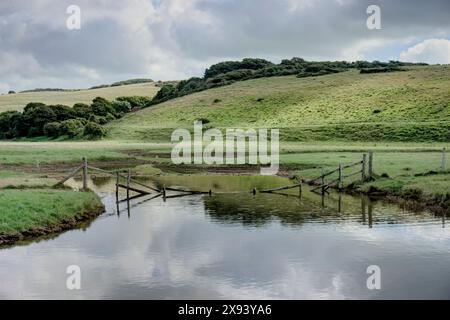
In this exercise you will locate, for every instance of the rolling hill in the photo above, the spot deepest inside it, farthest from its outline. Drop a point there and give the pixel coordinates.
(401, 106)
(11, 102)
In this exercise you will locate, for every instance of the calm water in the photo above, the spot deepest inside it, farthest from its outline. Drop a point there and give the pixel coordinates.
(237, 246)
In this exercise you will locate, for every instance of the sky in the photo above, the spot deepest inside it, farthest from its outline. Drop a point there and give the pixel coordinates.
(177, 39)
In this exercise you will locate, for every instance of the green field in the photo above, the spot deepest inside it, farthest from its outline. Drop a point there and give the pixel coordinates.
(401, 106)
(404, 117)
(19, 100)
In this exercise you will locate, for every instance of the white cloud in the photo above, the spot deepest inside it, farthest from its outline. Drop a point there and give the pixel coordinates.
(175, 39)
(430, 51)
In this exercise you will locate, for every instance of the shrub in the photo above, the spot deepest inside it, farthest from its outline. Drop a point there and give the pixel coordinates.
(121, 106)
(134, 101)
(35, 117)
(71, 128)
(63, 112)
(101, 107)
(52, 129)
(94, 130)
(82, 110)
(7, 124)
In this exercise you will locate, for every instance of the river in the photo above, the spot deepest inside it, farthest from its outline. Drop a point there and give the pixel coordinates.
(236, 246)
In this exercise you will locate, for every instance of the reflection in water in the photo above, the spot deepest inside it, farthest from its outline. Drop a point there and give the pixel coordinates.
(237, 246)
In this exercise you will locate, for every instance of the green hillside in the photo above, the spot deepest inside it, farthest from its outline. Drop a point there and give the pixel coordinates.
(16, 102)
(399, 106)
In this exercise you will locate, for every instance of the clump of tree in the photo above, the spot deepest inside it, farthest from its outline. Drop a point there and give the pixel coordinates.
(228, 72)
(53, 121)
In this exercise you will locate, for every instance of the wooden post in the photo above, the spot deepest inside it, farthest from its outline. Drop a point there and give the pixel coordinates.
(128, 184)
(443, 161)
(210, 192)
(117, 186)
(341, 182)
(340, 203)
(300, 189)
(370, 213)
(164, 192)
(363, 169)
(85, 174)
(370, 164)
(363, 209)
(322, 181)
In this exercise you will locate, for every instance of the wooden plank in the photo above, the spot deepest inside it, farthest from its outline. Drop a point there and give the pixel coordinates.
(71, 175)
(281, 188)
(133, 189)
(352, 165)
(102, 171)
(325, 175)
(140, 183)
(352, 174)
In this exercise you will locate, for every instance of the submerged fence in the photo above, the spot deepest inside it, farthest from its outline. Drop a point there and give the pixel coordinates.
(364, 168)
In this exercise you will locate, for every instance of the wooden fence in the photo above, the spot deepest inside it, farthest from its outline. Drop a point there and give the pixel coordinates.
(130, 184)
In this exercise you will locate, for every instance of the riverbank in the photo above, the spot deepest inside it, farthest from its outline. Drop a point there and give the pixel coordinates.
(30, 213)
(408, 171)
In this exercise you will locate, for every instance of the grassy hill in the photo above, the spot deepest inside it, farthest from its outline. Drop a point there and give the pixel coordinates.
(19, 100)
(400, 106)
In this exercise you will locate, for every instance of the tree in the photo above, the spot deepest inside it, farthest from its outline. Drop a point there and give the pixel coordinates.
(52, 129)
(36, 117)
(101, 107)
(94, 130)
(71, 128)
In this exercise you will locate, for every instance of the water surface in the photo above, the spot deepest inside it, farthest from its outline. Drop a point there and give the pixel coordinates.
(237, 246)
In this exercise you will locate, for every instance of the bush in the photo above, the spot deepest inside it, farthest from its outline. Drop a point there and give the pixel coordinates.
(52, 129)
(94, 130)
(101, 107)
(36, 116)
(122, 106)
(134, 101)
(71, 128)
(82, 110)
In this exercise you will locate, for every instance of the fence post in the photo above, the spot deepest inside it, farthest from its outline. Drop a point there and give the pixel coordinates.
(370, 164)
(340, 183)
(443, 163)
(117, 185)
(323, 182)
(363, 169)
(300, 189)
(128, 184)
(85, 174)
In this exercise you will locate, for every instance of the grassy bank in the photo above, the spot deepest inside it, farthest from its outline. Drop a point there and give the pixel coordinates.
(30, 213)
(400, 106)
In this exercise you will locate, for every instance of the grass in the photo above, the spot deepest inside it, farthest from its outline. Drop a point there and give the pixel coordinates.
(9, 102)
(400, 106)
(24, 211)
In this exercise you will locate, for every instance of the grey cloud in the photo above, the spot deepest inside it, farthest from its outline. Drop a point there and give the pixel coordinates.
(166, 39)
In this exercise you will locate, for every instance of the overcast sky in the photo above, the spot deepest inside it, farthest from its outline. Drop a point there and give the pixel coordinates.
(174, 39)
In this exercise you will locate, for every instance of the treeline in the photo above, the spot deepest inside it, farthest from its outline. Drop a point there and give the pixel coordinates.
(123, 83)
(228, 72)
(82, 120)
